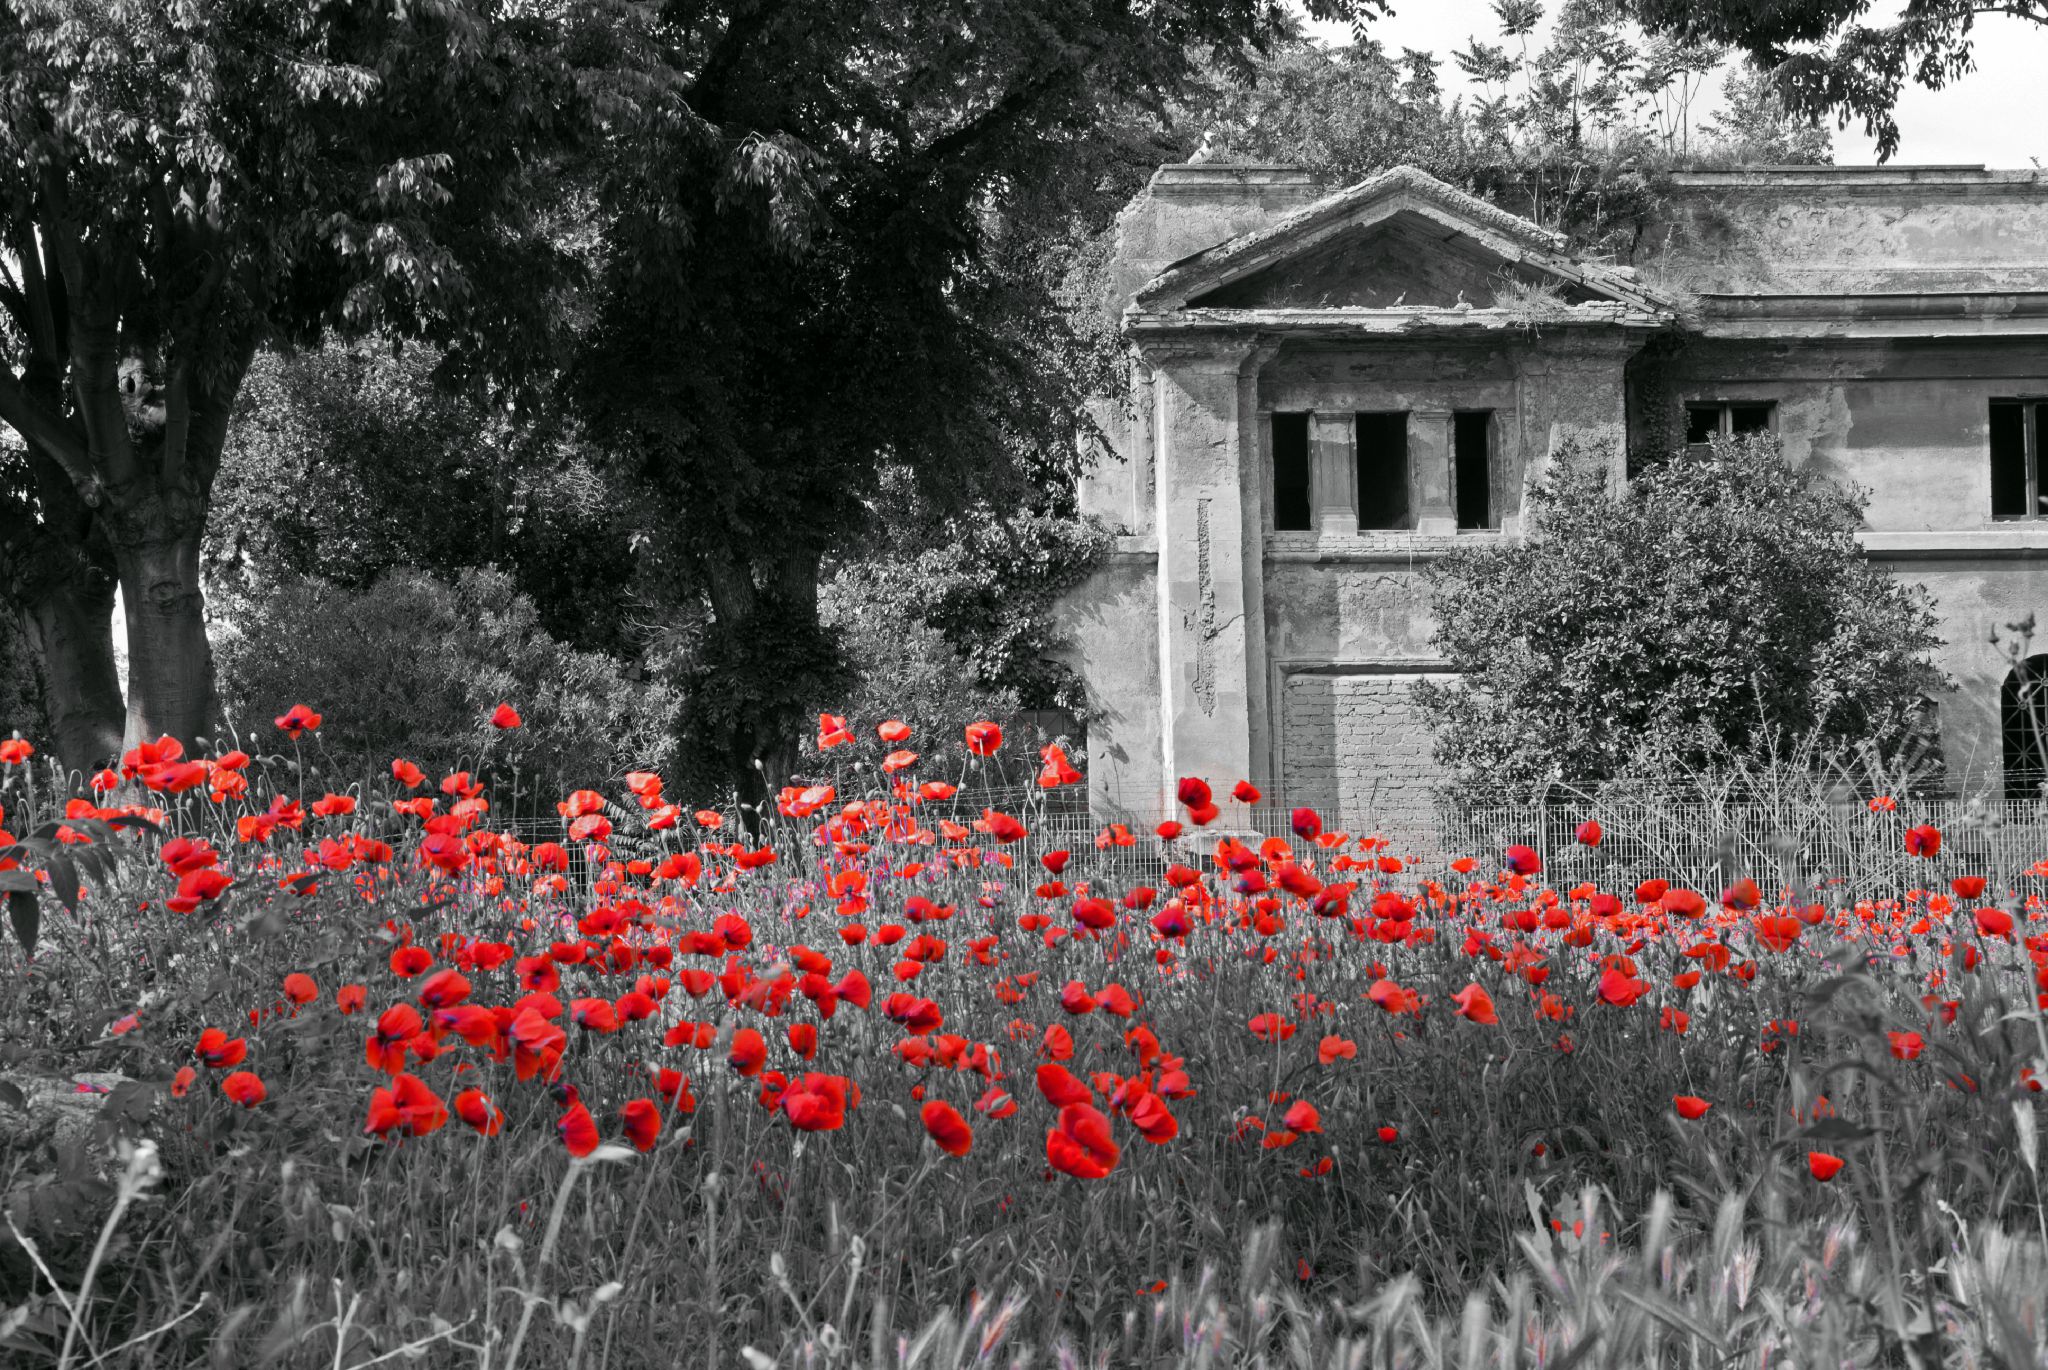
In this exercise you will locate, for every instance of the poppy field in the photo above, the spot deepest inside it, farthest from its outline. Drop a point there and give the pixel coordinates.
(353, 1076)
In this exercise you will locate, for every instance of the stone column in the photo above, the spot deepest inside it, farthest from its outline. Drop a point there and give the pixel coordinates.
(1333, 472)
(1573, 392)
(1211, 658)
(1430, 477)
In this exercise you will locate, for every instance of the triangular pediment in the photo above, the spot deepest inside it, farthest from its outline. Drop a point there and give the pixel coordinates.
(1400, 239)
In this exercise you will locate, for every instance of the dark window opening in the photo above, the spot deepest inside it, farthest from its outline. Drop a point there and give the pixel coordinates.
(1291, 512)
(2023, 710)
(2016, 459)
(1472, 459)
(1749, 418)
(1725, 419)
(1383, 471)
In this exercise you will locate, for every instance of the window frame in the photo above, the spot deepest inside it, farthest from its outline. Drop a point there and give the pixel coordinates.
(2030, 407)
(1724, 418)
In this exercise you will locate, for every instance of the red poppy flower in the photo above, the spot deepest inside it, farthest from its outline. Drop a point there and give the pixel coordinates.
(748, 1052)
(1333, 1048)
(1475, 1005)
(1690, 1107)
(219, 1050)
(297, 720)
(407, 774)
(984, 738)
(1390, 1135)
(1923, 841)
(244, 1088)
(299, 988)
(1994, 923)
(1193, 792)
(1621, 990)
(1906, 1046)
(642, 1120)
(505, 716)
(578, 1130)
(818, 1103)
(833, 732)
(1061, 1086)
(444, 989)
(1824, 1166)
(1244, 792)
(1968, 886)
(1168, 830)
(1081, 1145)
(1778, 931)
(1000, 826)
(474, 1107)
(1522, 860)
(1587, 834)
(14, 751)
(1270, 1027)
(1303, 1116)
(407, 962)
(946, 1127)
(181, 1083)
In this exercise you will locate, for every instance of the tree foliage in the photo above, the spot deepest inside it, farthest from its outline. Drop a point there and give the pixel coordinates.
(181, 184)
(446, 652)
(817, 271)
(1576, 133)
(1825, 60)
(346, 461)
(1718, 608)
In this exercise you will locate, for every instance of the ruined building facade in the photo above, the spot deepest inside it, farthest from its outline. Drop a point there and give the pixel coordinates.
(1333, 389)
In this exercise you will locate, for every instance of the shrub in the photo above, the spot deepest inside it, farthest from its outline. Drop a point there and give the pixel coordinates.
(1719, 609)
(413, 666)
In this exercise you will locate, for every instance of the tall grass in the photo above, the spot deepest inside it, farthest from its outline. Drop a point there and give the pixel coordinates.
(1538, 1201)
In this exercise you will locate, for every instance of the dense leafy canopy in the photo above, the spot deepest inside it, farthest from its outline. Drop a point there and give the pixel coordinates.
(1823, 57)
(181, 185)
(1719, 609)
(818, 271)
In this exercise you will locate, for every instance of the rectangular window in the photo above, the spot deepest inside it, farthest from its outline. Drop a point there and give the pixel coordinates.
(1472, 459)
(1290, 473)
(1710, 419)
(2016, 429)
(1383, 471)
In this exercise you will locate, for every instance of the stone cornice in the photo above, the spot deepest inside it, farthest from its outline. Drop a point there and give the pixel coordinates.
(1152, 330)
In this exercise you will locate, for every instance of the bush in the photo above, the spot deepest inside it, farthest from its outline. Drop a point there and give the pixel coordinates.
(1718, 610)
(413, 665)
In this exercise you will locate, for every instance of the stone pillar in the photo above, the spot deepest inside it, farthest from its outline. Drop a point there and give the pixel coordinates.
(1333, 472)
(1211, 658)
(1573, 392)
(1430, 477)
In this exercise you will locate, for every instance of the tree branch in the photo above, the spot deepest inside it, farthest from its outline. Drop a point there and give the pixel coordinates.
(706, 94)
(1014, 105)
(43, 427)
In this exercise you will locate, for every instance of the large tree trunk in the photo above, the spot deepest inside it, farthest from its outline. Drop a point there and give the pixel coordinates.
(170, 661)
(61, 575)
(772, 665)
(71, 626)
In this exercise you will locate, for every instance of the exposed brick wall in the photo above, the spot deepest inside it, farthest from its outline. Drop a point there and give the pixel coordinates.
(1356, 748)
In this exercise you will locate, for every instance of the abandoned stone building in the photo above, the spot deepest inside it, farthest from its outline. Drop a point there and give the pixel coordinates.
(1332, 389)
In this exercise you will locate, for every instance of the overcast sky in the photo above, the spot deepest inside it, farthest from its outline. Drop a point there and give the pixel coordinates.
(1992, 116)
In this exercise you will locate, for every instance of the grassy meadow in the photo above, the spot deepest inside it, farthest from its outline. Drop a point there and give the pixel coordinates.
(299, 1077)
